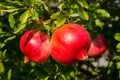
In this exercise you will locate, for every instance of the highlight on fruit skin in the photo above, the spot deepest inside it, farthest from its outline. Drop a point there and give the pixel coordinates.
(98, 46)
(70, 43)
(35, 45)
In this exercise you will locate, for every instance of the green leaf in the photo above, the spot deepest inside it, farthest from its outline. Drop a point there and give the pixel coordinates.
(47, 78)
(99, 23)
(11, 21)
(109, 67)
(118, 47)
(9, 74)
(94, 73)
(48, 28)
(2, 68)
(9, 38)
(47, 21)
(73, 13)
(117, 36)
(4, 34)
(6, 40)
(61, 6)
(55, 15)
(103, 12)
(118, 65)
(63, 77)
(24, 17)
(81, 13)
(83, 3)
(20, 27)
(90, 26)
(72, 74)
(85, 14)
(60, 22)
(3, 54)
(32, 64)
(34, 14)
(10, 10)
(46, 8)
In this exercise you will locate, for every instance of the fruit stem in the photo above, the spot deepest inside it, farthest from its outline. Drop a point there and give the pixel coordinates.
(26, 59)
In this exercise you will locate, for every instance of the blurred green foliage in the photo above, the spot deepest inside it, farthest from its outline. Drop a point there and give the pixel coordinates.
(97, 16)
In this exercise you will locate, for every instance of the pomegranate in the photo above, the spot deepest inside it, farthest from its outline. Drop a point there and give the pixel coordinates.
(35, 45)
(98, 46)
(70, 43)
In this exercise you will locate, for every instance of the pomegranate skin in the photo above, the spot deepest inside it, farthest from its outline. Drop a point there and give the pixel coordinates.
(69, 44)
(35, 45)
(98, 46)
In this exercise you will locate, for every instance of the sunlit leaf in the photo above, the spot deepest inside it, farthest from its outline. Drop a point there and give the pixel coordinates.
(3, 34)
(9, 4)
(20, 27)
(24, 17)
(32, 63)
(60, 22)
(99, 23)
(117, 36)
(2, 68)
(9, 10)
(81, 13)
(46, 8)
(9, 74)
(74, 15)
(11, 20)
(61, 6)
(72, 74)
(109, 67)
(94, 73)
(6, 40)
(47, 21)
(47, 78)
(103, 12)
(47, 27)
(85, 14)
(118, 65)
(83, 3)
(55, 15)
(63, 76)
(34, 14)
(118, 47)
(3, 54)
(9, 38)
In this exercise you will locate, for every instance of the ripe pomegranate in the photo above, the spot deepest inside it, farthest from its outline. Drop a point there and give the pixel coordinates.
(69, 44)
(35, 45)
(98, 46)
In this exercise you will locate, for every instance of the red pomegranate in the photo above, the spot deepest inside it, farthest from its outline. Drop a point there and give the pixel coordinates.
(98, 46)
(70, 43)
(35, 45)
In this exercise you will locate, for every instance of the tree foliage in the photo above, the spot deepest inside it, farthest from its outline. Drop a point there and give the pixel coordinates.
(97, 16)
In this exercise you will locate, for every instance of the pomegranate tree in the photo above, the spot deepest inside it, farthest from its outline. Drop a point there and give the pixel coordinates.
(98, 46)
(70, 43)
(35, 46)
